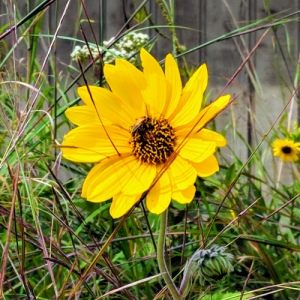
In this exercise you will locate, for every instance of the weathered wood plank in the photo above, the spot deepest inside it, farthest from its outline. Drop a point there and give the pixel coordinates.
(164, 44)
(189, 15)
(275, 78)
(223, 59)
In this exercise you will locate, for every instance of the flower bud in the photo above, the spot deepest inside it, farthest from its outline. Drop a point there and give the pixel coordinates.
(211, 265)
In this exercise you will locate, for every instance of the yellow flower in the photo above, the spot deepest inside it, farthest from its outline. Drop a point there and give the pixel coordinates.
(286, 149)
(137, 132)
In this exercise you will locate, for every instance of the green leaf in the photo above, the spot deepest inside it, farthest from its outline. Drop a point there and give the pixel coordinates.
(230, 175)
(227, 296)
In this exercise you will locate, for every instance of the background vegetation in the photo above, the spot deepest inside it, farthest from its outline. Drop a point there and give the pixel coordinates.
(54, 244)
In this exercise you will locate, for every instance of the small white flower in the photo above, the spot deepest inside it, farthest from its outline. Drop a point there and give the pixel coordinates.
(125, 47)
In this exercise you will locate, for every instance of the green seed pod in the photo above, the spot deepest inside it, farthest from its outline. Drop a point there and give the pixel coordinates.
(211, 265)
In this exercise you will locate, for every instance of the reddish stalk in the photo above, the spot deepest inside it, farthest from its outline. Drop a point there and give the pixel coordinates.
(9, 228)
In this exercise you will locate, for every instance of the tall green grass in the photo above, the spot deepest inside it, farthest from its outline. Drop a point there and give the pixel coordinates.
(54, 244)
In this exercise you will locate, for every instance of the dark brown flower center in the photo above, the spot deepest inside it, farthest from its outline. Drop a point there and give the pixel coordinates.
(152, 140)
(286, 149)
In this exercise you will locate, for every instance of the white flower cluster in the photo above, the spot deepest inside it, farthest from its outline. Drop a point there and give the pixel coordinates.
(83, 53)
(124, 48)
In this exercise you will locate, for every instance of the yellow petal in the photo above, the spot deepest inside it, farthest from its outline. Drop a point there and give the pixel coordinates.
(107, 105)
(159, 197)
(94, 139)
(205, 135)
(184, 196)
(196, 150)
(142, 176)
(213, 109)
(209, 135)
(121, 204)
(111, 180)
(155, 92)
(207, 167)
(204, 116)
(93, 131)
(174, 85)
(191, 99)
(80, 154)
(183, 173)
(83, 114)
(96, 171)
(126, 89)
(132, 71)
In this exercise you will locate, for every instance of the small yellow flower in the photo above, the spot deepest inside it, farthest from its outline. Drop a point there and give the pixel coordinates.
(137, 134)
(286, 149)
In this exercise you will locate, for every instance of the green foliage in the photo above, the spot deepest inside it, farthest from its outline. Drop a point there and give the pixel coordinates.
(50, 236)
(226, 296)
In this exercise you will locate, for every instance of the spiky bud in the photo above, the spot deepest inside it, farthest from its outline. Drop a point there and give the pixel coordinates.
(211, 265)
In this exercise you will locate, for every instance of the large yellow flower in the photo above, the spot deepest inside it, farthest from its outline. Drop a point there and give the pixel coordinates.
(137, 134)
(286, 149)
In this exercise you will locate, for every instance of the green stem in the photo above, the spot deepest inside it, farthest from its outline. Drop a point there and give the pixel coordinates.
(161, 257)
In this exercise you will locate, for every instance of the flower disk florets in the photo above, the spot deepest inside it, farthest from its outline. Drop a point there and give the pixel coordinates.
(286, 150)
(152, 140)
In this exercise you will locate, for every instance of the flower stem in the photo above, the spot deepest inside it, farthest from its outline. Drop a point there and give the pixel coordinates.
(161, 257)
